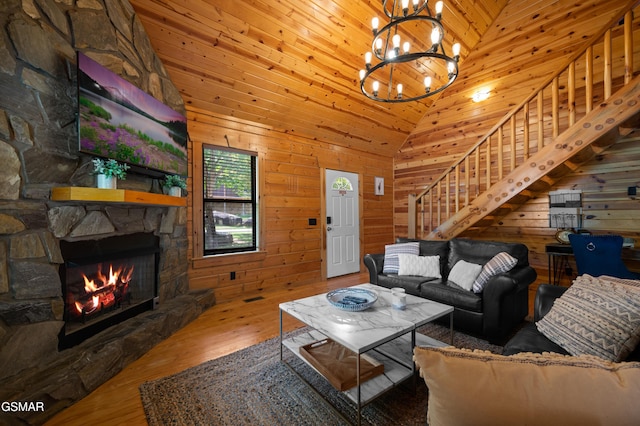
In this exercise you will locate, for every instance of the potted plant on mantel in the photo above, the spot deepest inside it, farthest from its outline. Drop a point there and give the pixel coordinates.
(108, 171)
(174, 184)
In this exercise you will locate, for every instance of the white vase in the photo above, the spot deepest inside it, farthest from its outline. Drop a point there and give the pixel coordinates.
(175, 191)
(106, 182)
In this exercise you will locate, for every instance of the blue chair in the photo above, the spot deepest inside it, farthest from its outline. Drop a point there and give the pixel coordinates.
(600, 255)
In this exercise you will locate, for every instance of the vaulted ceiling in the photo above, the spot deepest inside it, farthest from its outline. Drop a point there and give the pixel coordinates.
(293, 65)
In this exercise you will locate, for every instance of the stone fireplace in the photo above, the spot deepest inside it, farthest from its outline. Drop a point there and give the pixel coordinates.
(39, 152)
(106, 281)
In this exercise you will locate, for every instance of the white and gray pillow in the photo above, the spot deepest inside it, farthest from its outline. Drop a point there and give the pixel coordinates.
(422, 266)
(464, 274)
(595, 316)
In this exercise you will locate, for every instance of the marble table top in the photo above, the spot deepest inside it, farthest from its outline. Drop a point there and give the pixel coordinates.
(364, 330)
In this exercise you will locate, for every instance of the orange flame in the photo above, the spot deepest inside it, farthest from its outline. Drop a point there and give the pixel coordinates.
(100, 289)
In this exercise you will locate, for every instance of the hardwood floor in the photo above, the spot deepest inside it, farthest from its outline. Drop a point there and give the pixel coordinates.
(221, 330)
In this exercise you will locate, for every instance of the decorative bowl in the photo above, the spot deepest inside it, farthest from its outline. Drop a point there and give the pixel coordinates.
(352, 299)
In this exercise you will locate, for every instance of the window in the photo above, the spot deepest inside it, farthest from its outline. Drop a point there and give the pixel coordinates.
(342, 184)
(229, 200)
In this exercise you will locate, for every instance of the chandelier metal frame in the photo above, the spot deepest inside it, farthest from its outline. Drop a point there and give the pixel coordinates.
(390, 55)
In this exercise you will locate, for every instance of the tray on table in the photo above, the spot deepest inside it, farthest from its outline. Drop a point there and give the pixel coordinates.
(338, 364)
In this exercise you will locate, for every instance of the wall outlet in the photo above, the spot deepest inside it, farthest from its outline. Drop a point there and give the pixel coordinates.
(232, 275)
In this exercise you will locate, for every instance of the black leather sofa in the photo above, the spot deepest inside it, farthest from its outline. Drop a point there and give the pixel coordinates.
(529, 339)
(491, 314)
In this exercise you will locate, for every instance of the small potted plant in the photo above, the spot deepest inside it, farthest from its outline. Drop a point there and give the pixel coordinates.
(175, 184)
(108, 171)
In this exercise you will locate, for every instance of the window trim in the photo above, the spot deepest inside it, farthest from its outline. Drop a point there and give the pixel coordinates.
(199, 260)
(253, 200)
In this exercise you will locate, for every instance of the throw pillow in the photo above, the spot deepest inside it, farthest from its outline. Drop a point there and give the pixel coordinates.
(501, 262)
(422, 266)
(464, 274)
(595, 316)
(527, 389)
(391, 263)
(607, 278)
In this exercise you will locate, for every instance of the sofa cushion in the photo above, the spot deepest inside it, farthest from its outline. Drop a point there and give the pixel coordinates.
(391, 263)
(464, 274)
(411, 284)
(481, 252)
(423, 266)
(451, 294)
(529, 339)
(501, 262)
(535, 389)
(595, 316)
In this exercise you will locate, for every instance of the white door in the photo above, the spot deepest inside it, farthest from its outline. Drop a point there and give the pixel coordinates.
(342, 223)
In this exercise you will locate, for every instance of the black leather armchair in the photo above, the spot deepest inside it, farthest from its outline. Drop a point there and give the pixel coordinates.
(529, 339)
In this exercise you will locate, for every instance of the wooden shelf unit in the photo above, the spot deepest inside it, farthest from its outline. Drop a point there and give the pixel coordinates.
(86, 194)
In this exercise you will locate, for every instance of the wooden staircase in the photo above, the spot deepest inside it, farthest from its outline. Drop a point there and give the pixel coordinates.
(547, 136)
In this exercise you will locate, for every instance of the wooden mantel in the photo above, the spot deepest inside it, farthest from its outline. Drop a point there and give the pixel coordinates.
(86, 194)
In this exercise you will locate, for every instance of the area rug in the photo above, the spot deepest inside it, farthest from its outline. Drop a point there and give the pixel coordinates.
(252, 387)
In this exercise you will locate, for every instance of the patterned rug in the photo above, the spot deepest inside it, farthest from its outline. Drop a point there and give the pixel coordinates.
(252, 387)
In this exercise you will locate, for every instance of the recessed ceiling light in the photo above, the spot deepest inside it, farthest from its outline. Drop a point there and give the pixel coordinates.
(480, 95)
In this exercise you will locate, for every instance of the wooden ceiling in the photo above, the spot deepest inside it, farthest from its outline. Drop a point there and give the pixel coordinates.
(293, 66)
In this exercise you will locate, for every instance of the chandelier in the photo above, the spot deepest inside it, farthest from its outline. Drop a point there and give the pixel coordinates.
(412, 63)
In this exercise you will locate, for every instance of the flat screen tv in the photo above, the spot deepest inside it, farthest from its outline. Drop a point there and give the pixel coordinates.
(118, 120)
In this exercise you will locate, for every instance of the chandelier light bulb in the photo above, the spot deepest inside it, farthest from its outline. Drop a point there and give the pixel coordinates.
(378, 46)
(396, 40)
(427, 84)
(405, 7)
(456, 51)
(435, 38)
(392, 49)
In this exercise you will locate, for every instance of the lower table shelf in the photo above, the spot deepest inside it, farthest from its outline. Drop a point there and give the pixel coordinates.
(396, 356)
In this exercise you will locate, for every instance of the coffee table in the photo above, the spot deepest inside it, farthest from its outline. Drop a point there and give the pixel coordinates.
(382, 332)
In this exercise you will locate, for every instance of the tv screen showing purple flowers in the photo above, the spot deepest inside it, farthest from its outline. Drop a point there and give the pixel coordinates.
(118, 120)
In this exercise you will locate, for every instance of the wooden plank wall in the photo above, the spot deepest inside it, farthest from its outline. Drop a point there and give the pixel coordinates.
(291, 171)
(606, 207)
(604, 180)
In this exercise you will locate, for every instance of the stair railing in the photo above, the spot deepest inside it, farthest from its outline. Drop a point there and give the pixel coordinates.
(591, 77)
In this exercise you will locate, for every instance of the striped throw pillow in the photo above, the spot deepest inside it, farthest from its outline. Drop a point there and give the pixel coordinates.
(501, 262)
(391, 263)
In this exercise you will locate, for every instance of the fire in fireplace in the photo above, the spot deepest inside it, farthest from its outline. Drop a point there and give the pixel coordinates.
(105, 282)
